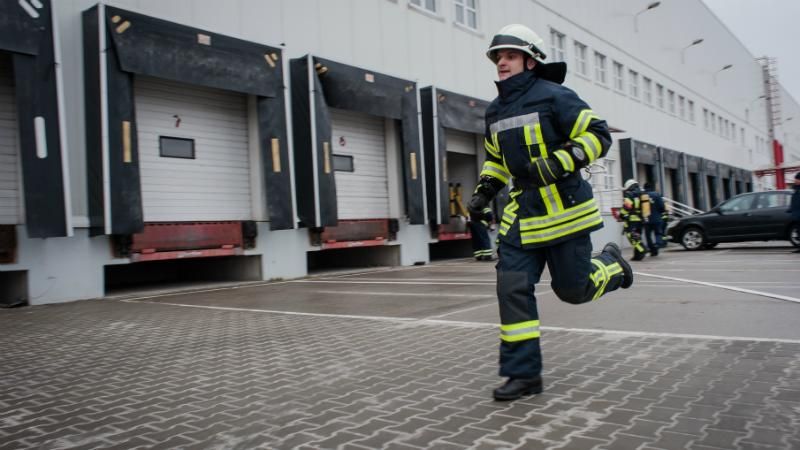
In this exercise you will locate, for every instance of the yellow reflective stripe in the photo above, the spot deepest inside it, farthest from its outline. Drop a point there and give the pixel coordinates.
(509, 214)
(555, 195)
(566, 160)
(591, 145)
(582, 122)
(496, 143)
(546, 199)
(602, 287)
(520, 331)
(495, 170)
(532, 237)
(527, 132)
(537, 128)
(519, 325)
(490, 148)
(532, 223)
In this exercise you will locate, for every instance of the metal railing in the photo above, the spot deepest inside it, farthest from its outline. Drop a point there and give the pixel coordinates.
(680, 210)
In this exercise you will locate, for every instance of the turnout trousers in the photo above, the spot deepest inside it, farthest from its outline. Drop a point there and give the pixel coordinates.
(481, 243)
(576, 278)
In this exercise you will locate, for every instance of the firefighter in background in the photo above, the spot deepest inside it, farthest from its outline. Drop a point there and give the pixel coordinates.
(479, 225)
(655, 225)
(635, 209)
(538, 135)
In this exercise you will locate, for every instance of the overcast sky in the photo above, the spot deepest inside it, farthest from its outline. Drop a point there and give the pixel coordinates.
(767, 28)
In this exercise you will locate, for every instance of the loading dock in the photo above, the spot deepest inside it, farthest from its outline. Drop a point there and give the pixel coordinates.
(453, 128)
(180, 122)
(358, 157)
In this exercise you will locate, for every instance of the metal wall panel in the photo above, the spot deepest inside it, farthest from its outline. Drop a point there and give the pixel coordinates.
(216, 184)
(363, 193)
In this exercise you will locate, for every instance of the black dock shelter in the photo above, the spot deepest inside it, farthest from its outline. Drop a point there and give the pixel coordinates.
(26, 34)
(444, 110)
(318, 85)
(119, 45)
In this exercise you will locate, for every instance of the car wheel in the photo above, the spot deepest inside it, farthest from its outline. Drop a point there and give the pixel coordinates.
(794, 235)
(709, 245)
(693, 238)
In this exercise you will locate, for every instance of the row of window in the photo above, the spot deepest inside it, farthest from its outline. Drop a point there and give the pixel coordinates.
(651, 93)
(664, 99)
(465, 11)
(721, 126)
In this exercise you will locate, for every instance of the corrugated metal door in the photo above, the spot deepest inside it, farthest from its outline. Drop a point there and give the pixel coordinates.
(215, 184)
(364, 192)
(10, 202)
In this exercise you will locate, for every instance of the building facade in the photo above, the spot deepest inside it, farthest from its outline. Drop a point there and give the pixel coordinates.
(267, 138)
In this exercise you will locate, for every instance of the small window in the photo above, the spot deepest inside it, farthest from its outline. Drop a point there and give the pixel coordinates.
(600, 68)
(671, 97)
(173, 147)
(428, 5)
(343, 163)
(618, 77)
(706, 124)
(691, 110)
(557, 42)
(580, 58)
(660, 96)
(633, 79)
(647, 86)
(682, 106)
(466, 13)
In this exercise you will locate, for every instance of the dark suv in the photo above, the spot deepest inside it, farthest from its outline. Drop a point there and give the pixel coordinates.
(754, 216)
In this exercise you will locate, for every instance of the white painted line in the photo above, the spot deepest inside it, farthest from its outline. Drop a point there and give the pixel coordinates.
(670, 335)
(723, 286)
(444, 280)
(432, 321)
(444, 283)
(406, 294)
(459, 311)
(272, 311)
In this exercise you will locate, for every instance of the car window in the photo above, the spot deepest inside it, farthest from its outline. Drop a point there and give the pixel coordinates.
(772, 200)
(737, 204)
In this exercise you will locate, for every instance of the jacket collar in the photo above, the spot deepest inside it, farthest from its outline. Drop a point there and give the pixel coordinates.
(511, 88)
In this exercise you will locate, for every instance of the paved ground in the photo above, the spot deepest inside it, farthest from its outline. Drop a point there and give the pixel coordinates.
(704, 353)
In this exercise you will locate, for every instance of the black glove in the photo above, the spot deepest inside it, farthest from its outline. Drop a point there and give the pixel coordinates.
(545, 171)
(476, 205)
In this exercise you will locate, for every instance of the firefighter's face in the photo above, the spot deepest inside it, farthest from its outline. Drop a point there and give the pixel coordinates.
(511, 62)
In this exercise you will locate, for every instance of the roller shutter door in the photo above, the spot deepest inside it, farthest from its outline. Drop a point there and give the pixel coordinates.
(460, 142)
(364, 192)
(462, 161)
(215, 184)
(10, 179)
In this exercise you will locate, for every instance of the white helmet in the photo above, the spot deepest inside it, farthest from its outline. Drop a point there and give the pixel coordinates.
(629, 184)
(517, 37)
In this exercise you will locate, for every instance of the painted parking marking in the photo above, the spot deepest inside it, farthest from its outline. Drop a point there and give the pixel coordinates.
(405, 294)
(458, 323)
(724, 286)
(443, 283)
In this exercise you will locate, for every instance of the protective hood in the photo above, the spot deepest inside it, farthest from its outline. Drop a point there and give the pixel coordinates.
(555, 72)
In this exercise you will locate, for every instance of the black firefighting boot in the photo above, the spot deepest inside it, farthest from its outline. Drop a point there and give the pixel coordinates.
(627, 272)
(515, 388)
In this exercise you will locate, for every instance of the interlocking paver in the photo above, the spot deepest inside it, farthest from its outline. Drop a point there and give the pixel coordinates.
(105, 374)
